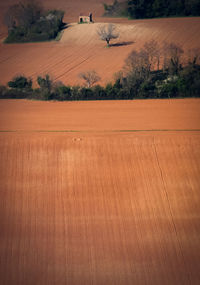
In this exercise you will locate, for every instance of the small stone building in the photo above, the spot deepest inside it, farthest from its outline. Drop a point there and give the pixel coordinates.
(85, 19)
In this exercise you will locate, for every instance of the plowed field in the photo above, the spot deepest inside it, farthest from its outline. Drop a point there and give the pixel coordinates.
(80, 49)
(100, 192)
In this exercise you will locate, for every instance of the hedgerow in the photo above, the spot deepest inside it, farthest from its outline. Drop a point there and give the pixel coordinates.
(159, 85)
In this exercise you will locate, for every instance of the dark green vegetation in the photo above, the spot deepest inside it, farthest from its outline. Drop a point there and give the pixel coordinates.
(158, 84)
(20, 82)
(29, 22)
(152, 72)
(117, 9)
(140, 9)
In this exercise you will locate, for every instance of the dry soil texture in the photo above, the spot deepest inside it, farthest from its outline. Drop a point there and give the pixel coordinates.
(100, 192)
(80, 48)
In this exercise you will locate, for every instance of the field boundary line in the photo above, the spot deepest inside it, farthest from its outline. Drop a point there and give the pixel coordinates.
(100, 131)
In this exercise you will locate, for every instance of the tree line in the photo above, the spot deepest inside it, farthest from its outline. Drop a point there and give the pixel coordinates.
(152, 72)
(141, 9)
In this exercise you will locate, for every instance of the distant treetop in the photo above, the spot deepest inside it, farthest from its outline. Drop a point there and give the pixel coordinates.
(28, 21)
(140, 9)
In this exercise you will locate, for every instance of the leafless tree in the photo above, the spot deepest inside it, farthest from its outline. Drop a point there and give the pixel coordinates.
(145, 60)
(172, 57)
(193, 56)
(90, 77)
(153, 51)
(137, 64)
(107, 33)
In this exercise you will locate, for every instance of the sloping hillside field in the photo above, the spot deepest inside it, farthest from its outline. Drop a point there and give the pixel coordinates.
(80, 49)
(86, 199)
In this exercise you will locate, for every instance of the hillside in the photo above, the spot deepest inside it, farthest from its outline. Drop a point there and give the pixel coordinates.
(72, 9)
(80, 49)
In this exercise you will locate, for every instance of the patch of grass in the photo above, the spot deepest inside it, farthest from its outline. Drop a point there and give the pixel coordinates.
(59, 36)
(81, 23)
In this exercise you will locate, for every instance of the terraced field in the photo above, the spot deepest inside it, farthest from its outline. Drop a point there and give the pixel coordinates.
(100, 192)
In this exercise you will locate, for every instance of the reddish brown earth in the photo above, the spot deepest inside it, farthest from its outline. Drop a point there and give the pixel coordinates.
(80, 48)
(100, 203)
(24, 115)
(98, 192)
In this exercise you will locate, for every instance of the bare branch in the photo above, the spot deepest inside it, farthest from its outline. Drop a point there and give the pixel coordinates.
(172, 56)
(137, 63)
(153, 50)
(107, 32)
(193, 56)
(90, 77)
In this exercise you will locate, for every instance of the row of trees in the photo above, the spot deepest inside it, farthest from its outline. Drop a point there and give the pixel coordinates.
(161, 71)
(152, 72)
(139, 9)
(28, 21)
(163, 8)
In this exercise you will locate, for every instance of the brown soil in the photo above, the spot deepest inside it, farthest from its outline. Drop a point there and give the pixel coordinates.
(98, 192)
(24, 115)
(102, 205)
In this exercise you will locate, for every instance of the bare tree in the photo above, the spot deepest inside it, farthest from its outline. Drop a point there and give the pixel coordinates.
(172, 57)
(193, 56)
(90, 77)
(137, 64)
(107, 33)
(153, 51)
(145, 60)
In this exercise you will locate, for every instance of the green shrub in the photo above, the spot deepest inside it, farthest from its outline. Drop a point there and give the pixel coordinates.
(169, 90)
(159, 84)
(39, 94)
(85, 93)
(20, 82)
(3, 91)
(99, 92)
(75, 93)
(13, 94)
(62, 93)
(45, 82)
(147, 90)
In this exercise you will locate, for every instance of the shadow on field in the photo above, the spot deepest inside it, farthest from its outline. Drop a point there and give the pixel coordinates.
(122, 44)
(65, 26)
